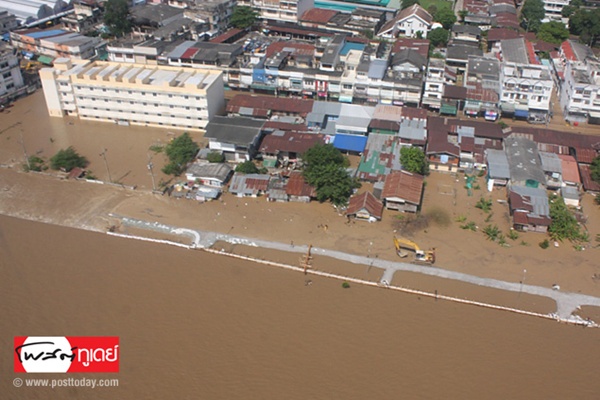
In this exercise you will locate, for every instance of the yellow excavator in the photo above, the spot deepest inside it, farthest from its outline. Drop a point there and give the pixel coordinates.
(421, 256)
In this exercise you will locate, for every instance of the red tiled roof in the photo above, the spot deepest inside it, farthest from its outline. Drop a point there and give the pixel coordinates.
(496, 34)
(420, 45)
(262, 105)
(404, 185)
(570, 171)
(585, 155)
(365, 201)
(189, 53)
(586, 178)
(293, 47)
(297, 186)
(318, 15)
(568, 51)
(291, 142)
(531, 52)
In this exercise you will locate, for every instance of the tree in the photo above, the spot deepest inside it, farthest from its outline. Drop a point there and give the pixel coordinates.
(67, 159)
(248, 167)
(432, 9)
(563, 225)
(438, 37)
(325, 169)
(463, 14)
(116, 17)
(586, 24)
(553, 32)
(533, 13)
(413, 160)
(243, 17)
(446, 17)
(215, 157)
(595, 170)
(408, 3)
(180, 151)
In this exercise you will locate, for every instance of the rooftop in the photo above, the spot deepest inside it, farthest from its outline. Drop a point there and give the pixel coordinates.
(235, 130)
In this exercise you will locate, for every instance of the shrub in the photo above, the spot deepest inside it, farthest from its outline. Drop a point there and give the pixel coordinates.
(492, 232)
(346, 285)
(513, 235)
(545, 244)
(215, 157)
(484, 204)
(157, 148)
(470, 226)
(67, 159)
(461, 218)
(35, 164)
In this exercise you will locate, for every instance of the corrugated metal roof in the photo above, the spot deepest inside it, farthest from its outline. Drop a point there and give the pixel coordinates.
(353, 143)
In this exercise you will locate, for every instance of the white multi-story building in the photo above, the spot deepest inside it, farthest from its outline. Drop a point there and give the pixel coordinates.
(279, 10)
(434, 83)
(11, 80)
(159, 96)
(553, 9)
(580, 90)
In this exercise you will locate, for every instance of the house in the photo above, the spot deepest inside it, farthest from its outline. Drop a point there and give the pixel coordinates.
(381, 156)
(407, 23)
(249, 185)
(209, 174)
(529, 208)
(589, 185)
(570, 171)
(365, 206)
(287, 147)
(276, 190)
(298, 190)
(457, 55)
(465, 34)
(571, 196)
(442, 154)
(524, 162)
(267, 107)
(552, 167)
(236, 137)
(498, 171)
(402, 191)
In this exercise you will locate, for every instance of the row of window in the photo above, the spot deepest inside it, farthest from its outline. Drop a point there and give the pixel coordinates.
(81, 98)
(143, 93)
(142, 122)
(83, 108)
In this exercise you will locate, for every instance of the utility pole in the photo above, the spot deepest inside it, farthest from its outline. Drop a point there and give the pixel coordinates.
(150, 165)
(24, 151)
(103, 154)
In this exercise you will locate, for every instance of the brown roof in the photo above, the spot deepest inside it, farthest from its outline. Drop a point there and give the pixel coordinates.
(226, 36)
(365, 201)
(297, 186)
(478, 93)
(285, 126)
(586, 178)
(582, 144)
(420, 45)
(455, 92)
(318, 15)
(292, 142)
(383, 124)
(496, 34)
(405, 185)
(437, 138)
(414, 113)
(584, 155)
(292, 47)
(570, 171)
(414, 10)
(263, 105)
(507, 20)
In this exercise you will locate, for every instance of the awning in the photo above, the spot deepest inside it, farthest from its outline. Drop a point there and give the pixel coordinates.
(354, 143)
(448, 108)
(521, 113)
(269, 162)
(490, 115)
(345, 98)
(45, 60)
(508, 107)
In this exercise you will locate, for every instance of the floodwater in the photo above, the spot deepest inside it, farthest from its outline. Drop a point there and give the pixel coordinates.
(194, 325)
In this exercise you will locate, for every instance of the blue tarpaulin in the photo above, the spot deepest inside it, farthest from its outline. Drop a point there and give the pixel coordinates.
(521, 113)
(354, 143)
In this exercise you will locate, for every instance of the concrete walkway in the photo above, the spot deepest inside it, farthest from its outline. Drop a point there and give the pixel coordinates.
(567, 303)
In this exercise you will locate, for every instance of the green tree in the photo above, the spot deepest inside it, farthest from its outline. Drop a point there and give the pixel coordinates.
(595, 170)
(116, 17)
(446, 17)
(586, 24)
(243, 17)
(532, 14)
(35, 163)
(438, 37)
(463, 14)
(215, 157)
(563, 225)
(408, 3)
(553, 32)
(180, 151)
(67, 159)
(325, 169)
(247, 167)
(413, 160)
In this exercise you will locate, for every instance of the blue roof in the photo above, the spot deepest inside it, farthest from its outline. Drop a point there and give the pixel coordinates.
(351, 46)
(45, 34)
(354, 143)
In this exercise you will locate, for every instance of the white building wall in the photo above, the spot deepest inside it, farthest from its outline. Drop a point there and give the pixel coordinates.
(115, 92)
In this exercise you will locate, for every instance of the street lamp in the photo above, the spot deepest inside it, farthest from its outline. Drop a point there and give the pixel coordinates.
(103, 154)
(150, 165)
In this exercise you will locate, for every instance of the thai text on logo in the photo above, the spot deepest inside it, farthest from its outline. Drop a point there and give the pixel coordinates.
(62, 354)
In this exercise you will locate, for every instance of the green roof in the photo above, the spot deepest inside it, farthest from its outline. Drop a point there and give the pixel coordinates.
(45, 60)
(269, 163)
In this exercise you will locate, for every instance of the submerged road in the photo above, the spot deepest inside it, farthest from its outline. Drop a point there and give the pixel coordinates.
(566, 303)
